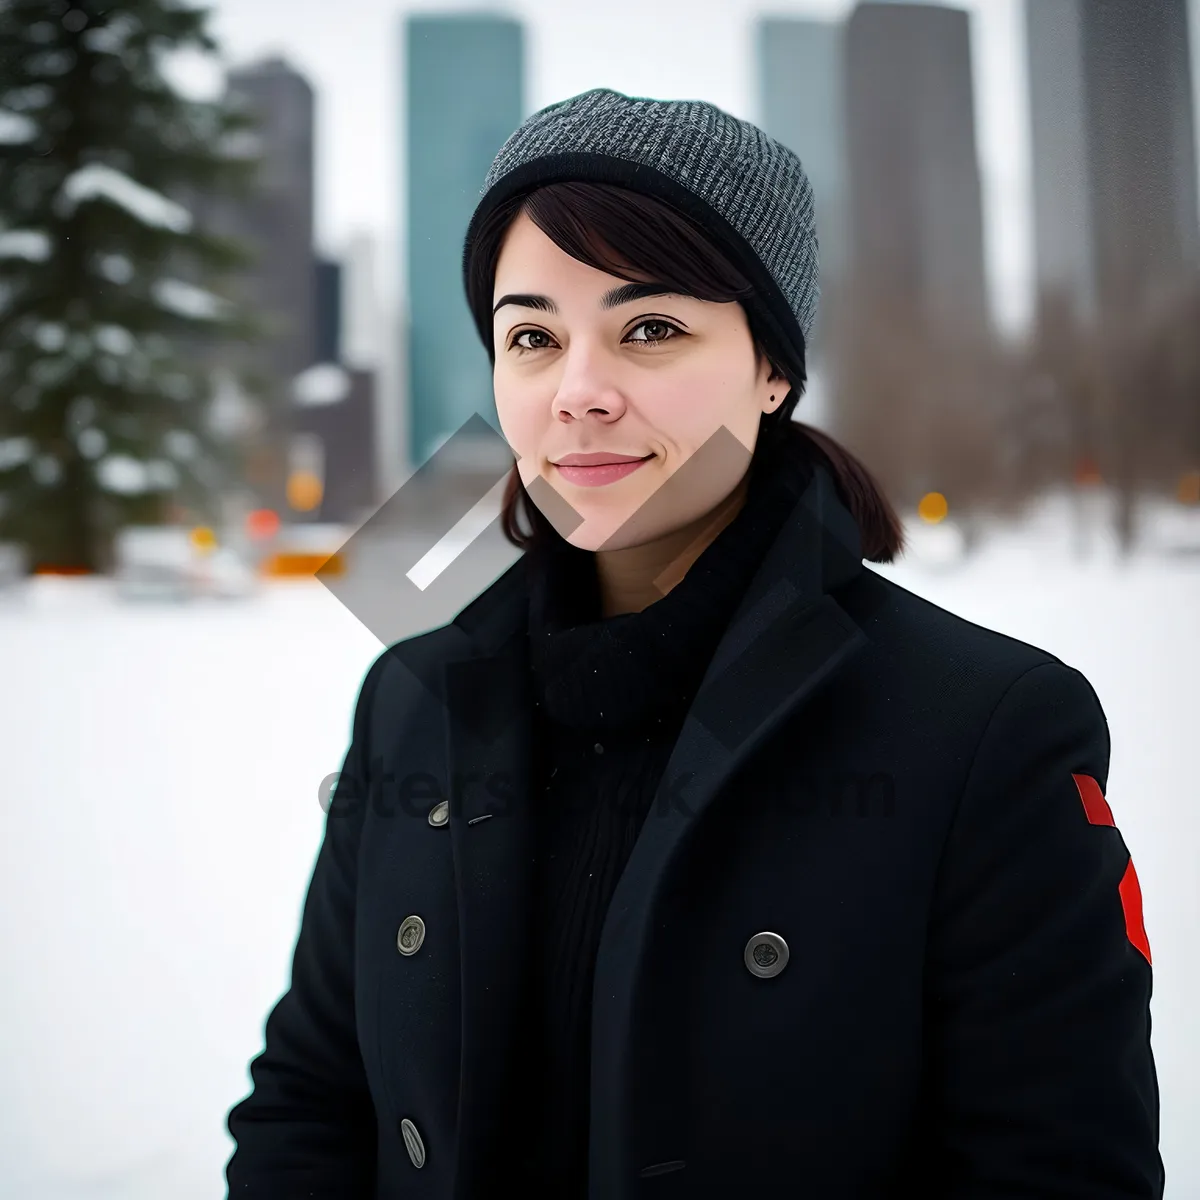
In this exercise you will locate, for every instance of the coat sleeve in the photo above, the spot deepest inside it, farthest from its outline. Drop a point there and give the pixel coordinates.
(307, 1128)
(1042, 1080)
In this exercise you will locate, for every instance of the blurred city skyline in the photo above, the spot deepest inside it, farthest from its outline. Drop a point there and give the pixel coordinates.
(1006, 198)
(1047, 146)
(355, 66)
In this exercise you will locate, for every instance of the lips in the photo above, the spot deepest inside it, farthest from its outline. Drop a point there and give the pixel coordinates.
(602, 469)
(598, 459)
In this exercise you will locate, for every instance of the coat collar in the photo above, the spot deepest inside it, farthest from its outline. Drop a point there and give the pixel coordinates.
(787, 637)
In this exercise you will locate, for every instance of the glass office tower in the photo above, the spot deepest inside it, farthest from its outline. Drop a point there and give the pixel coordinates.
(463, 86)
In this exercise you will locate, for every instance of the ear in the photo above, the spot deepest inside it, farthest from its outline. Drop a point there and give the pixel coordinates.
(774, 385)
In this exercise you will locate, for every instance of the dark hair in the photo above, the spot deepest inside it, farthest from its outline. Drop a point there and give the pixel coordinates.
(637, 237)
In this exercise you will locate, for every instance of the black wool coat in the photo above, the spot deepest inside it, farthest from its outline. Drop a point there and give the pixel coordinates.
(879, 936)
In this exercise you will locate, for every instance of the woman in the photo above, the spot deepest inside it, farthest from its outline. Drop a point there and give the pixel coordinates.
(693, 859)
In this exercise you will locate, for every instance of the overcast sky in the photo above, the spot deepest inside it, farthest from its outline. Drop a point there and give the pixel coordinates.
(350, 51)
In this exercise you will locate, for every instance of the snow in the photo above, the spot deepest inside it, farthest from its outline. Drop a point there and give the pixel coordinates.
(126, 475)
(92, 442)
(163, 768)
(31, 96)
(129, 476)
(116, 268)
(148, 206)
(111, 37)
(46, 470)
(53, 62)
(80, 412)
(176, 386)
(232, 413)
(51, 371)
(32, 244)
(181, 444)
(324, 383)
(161, 474)
(186, 300)
(241, 144)
(14, 451)
(50, 336)
(123, 474)
(115, 339)
(15, 128)
(14, 563)
(41, 32)
(154, 546)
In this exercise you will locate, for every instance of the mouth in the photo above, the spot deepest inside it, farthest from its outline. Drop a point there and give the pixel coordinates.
(597, 474)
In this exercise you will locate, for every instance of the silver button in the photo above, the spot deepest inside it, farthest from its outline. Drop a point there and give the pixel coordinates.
(766, 954)
(411, 935)
(412, 1142)
(439, 814)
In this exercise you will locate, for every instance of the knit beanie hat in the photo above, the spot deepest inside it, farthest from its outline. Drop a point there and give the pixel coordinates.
(748, 192)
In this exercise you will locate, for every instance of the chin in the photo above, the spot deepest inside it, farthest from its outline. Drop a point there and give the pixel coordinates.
(590, 535)
(599, 522)
(607, 532)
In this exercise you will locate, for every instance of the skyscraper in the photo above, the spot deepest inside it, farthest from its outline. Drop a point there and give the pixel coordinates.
(916, 396)
(277, 223)
(327, 346)
(333, 441)
(915, 216)
(362, 317)
(801, 104)
(371, 341)
(464, 97)
(1114, 151)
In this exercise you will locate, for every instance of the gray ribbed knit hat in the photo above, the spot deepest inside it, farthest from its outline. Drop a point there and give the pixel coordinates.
(747, 191)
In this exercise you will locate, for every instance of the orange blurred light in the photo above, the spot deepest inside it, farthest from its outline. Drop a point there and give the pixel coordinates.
(304, 491)
(295, 565)
(1087, 472)
(1188, 491)
(203, 538)
(262, 523)
(933, 507)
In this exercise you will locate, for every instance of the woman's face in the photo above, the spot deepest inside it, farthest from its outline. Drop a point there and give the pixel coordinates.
(587, 363)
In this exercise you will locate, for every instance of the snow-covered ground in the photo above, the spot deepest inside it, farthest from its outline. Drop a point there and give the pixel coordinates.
(161, 817)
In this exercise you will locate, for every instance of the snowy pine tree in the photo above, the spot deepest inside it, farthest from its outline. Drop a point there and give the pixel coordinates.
(113, 299)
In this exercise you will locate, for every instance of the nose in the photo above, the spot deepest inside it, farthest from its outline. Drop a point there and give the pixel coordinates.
(586, 389)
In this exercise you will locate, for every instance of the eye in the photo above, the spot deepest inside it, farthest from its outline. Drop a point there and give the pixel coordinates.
(516, 341)
(667, 335)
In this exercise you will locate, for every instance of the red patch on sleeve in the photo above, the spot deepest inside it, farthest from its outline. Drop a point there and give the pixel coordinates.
(1131, 902)
(1094, 803)
(1098, 813)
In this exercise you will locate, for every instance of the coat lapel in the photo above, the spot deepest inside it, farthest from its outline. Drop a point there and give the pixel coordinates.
(489, 726)
(786, 639)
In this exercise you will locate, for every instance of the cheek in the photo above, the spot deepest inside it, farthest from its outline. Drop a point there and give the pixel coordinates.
(694, 408)
(522, 421)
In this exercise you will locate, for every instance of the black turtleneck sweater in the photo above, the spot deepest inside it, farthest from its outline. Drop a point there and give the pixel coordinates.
(611, 695)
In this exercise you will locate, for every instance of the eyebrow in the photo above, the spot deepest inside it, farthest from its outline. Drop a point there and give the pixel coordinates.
(611, 299)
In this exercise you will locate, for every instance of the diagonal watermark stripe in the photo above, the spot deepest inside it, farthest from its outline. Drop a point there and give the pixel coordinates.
(423, 557)
(459, 538)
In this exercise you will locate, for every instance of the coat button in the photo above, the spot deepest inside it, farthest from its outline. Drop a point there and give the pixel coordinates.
(412, 1142)
(766, 954)
(410, 935)
(439, 814)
